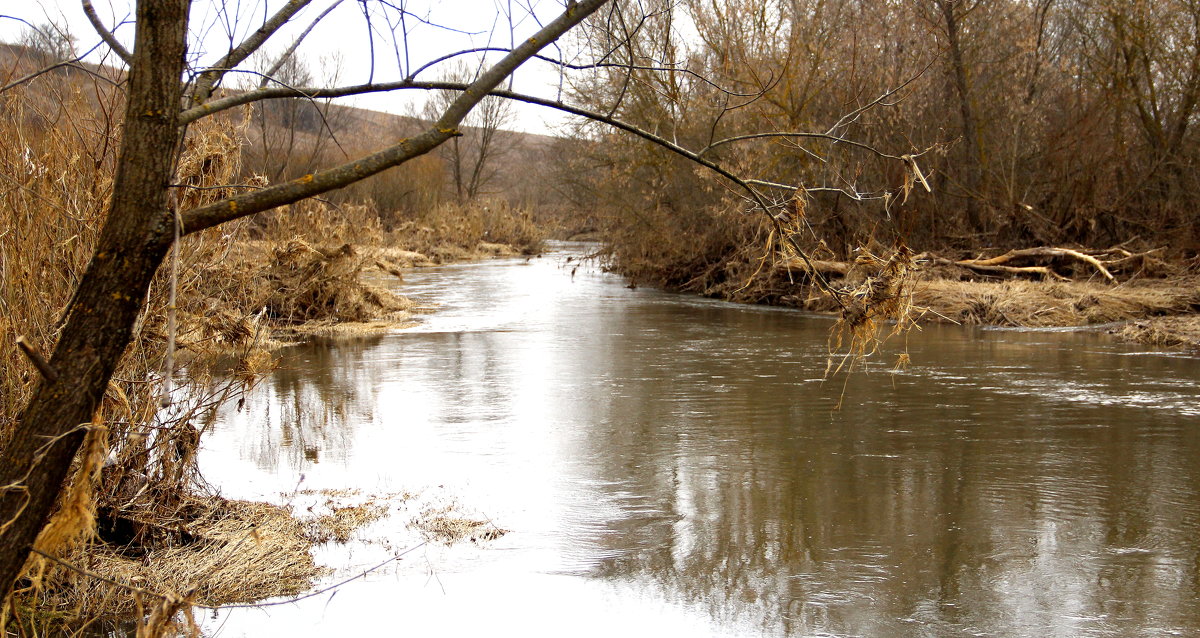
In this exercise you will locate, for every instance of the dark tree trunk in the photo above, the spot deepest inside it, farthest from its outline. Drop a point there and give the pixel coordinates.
(972, 169)
(136, 236)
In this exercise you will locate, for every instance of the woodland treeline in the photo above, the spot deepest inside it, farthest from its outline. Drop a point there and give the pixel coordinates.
(1035, 122)
(286, 139)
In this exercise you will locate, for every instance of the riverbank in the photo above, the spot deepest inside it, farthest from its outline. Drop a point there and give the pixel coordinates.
(1138, 298)
(142, 527)
(1154, 312)
(138, 524)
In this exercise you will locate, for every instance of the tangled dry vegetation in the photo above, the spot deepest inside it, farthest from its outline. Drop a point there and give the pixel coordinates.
(213, 552)
(138, 528)
(447, 525)
(728, 256)
(453, 232)
(136, 520)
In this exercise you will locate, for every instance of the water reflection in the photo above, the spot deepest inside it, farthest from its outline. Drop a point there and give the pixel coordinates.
(676, 462)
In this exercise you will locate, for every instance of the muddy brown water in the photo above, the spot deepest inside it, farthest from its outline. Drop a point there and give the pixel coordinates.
(674, 466)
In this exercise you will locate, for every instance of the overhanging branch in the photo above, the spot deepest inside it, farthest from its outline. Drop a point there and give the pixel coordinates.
(105, 34)
(446, 127)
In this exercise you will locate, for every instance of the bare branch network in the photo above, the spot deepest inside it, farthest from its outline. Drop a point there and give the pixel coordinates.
(617, 24)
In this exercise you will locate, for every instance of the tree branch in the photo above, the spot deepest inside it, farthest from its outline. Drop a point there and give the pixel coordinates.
(105, 34)
(337, 177)
(581, 67)
(72, 63)
(446, 127)
(819, 136)
(283, 58)
(209, 78)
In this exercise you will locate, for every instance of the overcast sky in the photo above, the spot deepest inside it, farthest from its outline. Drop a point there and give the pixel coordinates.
(343, 39)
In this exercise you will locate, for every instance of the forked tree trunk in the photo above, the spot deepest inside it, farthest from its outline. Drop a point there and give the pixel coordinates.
(132, 244)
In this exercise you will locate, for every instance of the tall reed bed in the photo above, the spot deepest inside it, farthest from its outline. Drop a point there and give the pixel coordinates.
(136, 493)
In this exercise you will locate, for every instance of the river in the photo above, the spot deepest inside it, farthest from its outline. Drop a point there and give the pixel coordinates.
(669, 465)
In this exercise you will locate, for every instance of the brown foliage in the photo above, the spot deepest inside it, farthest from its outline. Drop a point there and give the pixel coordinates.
(1045, 123)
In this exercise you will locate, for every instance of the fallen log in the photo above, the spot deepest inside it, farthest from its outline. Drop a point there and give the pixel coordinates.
(1042, 271)
(821, 266)
(1044, 251)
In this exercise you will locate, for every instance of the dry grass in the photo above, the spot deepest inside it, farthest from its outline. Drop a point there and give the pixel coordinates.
(1042, 304)
(1163, 332)
(56, 164)
(296, 271)
(885, 297)
(454, 232)
(709, 253)
(222, 552)
(448, 525)
(340, 523)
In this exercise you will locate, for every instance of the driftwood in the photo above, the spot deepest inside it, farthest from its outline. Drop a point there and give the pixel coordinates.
(1104, 262)
(1042, 271)
(821, 266)
(1044, 251)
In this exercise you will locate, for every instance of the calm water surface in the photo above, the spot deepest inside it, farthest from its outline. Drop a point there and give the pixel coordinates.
(674, 466)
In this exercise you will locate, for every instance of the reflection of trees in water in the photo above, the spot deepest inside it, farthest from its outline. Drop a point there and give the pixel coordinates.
(306, 410)
(991, 510)
(309, 409)
(981, 498)
(470, 370)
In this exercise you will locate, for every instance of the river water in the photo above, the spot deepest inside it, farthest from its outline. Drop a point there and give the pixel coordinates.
(676, 466)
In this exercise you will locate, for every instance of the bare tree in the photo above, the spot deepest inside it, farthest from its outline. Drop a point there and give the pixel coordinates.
(49, 42)
(289, 138)
(953, 13)
(473, 158)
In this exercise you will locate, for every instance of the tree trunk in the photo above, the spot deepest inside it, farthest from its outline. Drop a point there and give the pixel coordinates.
(972, 167)
(136, 236)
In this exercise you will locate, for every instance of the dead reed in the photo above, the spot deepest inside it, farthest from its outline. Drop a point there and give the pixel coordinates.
(1163, 331)
(223, 552)
(56, 163)
(472, 230)
(447, 525)
(136, 517)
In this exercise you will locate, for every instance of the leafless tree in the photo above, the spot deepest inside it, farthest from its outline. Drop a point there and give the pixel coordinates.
(474, 157)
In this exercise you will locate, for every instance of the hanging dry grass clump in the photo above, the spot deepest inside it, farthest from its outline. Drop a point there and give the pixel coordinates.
(74, 521)
(883, 298)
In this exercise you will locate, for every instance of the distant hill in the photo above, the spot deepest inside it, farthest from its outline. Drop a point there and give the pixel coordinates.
(291, 137)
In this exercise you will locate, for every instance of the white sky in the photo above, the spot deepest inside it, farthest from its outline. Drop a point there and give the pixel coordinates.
(449, 25)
